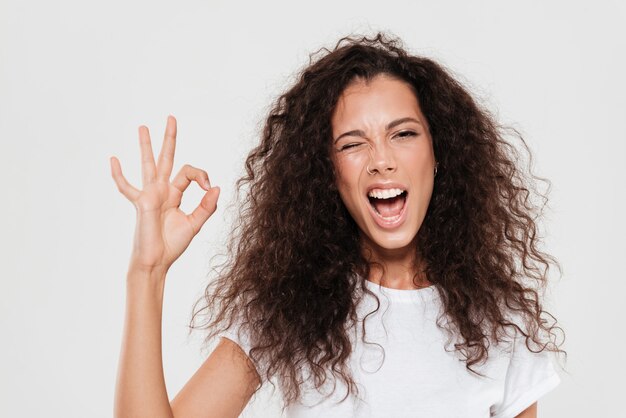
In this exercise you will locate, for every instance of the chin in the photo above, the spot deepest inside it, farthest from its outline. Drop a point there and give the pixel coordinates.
(391, 242)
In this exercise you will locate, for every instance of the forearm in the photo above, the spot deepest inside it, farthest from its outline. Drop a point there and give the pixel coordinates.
(140, 388)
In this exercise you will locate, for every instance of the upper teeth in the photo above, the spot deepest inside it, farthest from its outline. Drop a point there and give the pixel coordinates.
(384, 193)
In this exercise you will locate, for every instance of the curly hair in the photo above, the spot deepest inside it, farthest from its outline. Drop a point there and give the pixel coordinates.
(294, 263)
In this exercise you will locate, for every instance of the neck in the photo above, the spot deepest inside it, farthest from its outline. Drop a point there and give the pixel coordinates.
(398, 268)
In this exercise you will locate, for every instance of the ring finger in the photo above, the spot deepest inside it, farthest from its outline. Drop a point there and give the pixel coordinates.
(148, 167)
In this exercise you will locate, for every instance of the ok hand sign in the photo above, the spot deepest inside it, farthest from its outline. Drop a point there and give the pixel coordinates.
(163, 231)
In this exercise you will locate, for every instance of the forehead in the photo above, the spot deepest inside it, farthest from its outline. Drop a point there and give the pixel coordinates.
(380, 100)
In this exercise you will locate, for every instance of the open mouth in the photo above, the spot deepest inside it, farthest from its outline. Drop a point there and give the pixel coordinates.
(389, 209)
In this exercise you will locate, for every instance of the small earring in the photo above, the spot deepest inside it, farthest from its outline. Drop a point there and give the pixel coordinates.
(436, 165)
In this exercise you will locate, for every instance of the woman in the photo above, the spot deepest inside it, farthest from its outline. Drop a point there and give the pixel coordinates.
(385, 261)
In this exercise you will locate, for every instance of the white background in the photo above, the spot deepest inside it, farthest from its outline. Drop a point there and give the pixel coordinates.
(77, 78)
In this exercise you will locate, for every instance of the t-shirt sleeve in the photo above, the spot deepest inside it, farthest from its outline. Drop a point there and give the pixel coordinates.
(239, 335)
(529, 376)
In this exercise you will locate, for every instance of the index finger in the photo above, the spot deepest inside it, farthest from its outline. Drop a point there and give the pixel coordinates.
(166, 156)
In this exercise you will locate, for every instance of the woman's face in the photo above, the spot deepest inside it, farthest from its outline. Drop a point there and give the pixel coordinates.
(379, 127)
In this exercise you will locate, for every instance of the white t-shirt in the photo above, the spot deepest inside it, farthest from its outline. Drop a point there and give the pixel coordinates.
(418, 377)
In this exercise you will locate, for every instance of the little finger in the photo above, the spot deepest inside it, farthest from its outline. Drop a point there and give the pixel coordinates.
(123, 186)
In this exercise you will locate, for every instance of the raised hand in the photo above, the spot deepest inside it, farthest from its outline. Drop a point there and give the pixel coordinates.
(163, 231)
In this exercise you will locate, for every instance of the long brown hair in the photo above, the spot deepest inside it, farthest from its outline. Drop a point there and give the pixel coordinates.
(289, 277)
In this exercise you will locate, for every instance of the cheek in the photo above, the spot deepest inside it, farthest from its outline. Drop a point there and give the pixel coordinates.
(421, 161)
(424, 184)
(348, 188)
(421, 169)
(348, 171)
(347, 193)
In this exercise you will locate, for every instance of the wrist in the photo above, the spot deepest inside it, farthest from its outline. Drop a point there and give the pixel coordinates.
(139, 269)
(148, 276)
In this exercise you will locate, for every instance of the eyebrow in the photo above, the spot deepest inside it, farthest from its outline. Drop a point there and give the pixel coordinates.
(391, 125)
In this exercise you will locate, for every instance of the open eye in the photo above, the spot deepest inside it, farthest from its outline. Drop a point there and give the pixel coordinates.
(406, 134)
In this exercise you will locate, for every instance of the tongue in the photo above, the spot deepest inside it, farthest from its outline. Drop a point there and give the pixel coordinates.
(389, 207)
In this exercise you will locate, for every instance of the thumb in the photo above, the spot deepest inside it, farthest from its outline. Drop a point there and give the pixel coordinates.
(205, 209)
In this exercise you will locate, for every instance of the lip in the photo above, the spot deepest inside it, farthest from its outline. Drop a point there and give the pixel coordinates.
(386, 185)
(389, 224)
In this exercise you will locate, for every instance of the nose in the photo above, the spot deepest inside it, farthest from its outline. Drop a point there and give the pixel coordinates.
(382, 159)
